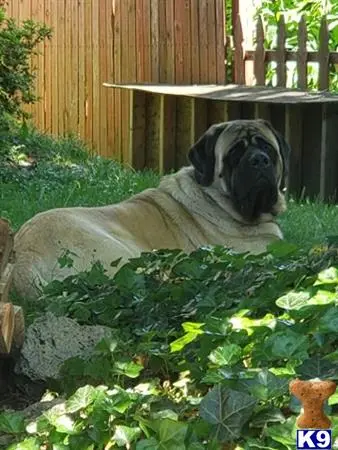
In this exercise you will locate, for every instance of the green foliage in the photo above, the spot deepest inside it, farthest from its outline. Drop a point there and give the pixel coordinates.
(292, 11)
(17, 45)
(201, 353)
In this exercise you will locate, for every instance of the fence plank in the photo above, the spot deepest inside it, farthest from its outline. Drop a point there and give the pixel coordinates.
(153, 131)
(140, 42)
(81, 69)
(61, 78)
(47, 55)
(302, 54)
(195, 42)
(96, 76)
(184, 116)
(167, 151)
(111, 149)
(323, 55)
(203, 39)
(162, 42)
(280, 52)
(170, 41)
(220, 41)
(179, 42)
(294, 136)
(148, 42)
(74, 64)
(187, 42)
(137, 137)
(199, 119)
(259, 63)
(54, 68)
(239, 63)
(103, 76)
(211, 21)
(329, 155)
(88, 42)
(155, 41)
(311, 158)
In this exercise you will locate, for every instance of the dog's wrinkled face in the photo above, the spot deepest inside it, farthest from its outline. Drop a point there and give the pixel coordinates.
(248, 161)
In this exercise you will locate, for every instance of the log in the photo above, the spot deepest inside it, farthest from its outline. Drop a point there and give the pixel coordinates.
(12, 328)
(12, 323)
(6, 245)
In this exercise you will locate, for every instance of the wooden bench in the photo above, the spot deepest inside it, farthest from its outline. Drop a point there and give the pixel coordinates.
(166, 119)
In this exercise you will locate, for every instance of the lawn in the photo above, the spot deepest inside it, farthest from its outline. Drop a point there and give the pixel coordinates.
(66, 175)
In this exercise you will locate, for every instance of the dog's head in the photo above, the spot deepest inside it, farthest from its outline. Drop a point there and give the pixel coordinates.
(248, 160)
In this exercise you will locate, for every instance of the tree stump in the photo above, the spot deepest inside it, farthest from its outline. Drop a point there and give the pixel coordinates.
(12, 324)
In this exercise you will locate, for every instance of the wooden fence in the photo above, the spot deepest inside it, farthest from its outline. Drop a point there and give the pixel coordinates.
(261, 56)
(94, 41)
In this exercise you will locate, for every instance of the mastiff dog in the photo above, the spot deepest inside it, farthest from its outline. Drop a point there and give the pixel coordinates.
(230, 195)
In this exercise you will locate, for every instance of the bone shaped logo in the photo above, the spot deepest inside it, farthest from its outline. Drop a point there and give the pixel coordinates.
(312, 395)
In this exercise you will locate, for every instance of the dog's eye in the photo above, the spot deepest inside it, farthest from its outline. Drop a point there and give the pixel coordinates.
(267, 148)
(236, 153)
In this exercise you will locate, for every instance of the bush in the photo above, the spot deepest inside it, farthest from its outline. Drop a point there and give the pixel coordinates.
(17, 44)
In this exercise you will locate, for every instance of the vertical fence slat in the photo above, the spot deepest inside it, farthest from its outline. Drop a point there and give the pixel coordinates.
(74, 64)
(323, 55)
(155, 39)
(96, 76)
(220, 41)
(239, 63)
(140, 42)
(61, 27)
(203, 40)
(179, 42)
(280, 52)
(195, 43)
(167, 133)
(47, 54)
(302, 55)
(148, 43)
(329, 156)
(212, 65)
(81, 69)
(259, 63)
(89, 73)
(137, 135)
(162, 42)
(103, 76)
(294, 135)
(111, 149)
(170, 41)
(54, 68)
(187, 42)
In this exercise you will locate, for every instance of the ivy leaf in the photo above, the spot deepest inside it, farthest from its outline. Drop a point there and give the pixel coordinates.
(124, 435)
(82, 398)
(227, 410)
(12, 422)
(227, 355)
(26, 444)
(286, 344)
(317, 367)
(293, 300)
(172, 435)
(147, 444)
(266, 385)
(328, 323)
(267, 415)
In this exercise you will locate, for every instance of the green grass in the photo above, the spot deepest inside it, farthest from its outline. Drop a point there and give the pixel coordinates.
(67, 175)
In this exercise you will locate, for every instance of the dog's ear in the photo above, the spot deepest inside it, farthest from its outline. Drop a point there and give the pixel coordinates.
(202, 154)
(285, 151)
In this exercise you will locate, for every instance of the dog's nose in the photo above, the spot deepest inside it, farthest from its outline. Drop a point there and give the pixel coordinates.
(260, 160)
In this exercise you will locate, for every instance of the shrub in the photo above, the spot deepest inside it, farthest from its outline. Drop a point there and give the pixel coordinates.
(17, 44)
